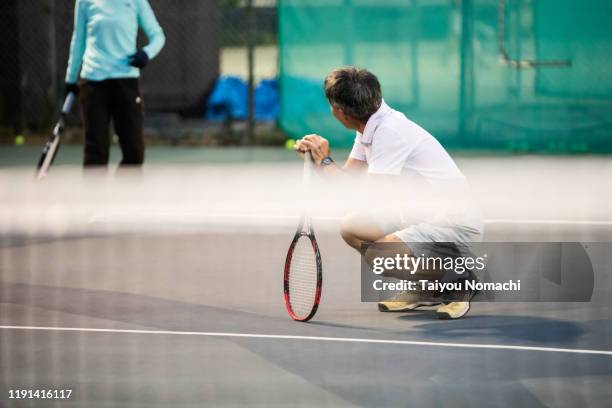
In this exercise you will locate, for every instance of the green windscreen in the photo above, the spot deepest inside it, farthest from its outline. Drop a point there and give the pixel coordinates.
(509, 75)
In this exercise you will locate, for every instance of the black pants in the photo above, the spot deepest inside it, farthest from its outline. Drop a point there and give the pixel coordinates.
(119, 100)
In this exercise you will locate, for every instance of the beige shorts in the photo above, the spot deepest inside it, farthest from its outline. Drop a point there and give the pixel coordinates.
(464, 228)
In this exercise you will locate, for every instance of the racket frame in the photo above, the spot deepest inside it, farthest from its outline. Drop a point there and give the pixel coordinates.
(304, 229)
(52, 145)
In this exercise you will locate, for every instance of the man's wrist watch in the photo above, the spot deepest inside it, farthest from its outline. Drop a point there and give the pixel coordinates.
(326, 161)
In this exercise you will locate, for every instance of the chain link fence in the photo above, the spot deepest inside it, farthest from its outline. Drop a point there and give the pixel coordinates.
(204, 39)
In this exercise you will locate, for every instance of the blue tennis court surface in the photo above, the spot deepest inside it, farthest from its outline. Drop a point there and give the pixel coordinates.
(161, 317)
(199, 319)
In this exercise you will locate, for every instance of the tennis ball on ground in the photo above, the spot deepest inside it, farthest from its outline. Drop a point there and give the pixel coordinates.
(289, 144)
(19, 140)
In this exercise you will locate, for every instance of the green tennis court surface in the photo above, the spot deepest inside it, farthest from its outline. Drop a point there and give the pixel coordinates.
(73, 155)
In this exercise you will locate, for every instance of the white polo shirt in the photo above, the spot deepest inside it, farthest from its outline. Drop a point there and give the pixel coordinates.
(392, 144)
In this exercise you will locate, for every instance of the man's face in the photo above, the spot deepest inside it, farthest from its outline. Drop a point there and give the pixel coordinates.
(341, 117)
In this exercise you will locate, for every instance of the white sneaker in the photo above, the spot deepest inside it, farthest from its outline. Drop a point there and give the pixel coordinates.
(405, 301)
(458, 309)
(403, 306)
(453, 310)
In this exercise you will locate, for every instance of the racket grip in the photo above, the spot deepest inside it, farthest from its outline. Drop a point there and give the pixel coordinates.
(308, 158)
(308, 163)
(68, 102)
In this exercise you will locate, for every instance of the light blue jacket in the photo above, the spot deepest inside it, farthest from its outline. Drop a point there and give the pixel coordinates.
(104, 36)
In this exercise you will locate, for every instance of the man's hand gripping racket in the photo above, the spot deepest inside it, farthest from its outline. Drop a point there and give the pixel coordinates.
(303, 276)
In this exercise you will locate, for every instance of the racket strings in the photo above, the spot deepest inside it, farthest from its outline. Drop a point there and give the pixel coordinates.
(303, 278)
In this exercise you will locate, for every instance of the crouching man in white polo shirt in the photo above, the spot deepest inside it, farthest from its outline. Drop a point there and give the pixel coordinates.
(389, 144)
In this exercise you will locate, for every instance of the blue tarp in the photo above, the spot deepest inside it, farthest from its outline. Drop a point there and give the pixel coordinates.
(228, 100)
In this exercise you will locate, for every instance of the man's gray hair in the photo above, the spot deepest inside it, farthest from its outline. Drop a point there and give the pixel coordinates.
(355, 91)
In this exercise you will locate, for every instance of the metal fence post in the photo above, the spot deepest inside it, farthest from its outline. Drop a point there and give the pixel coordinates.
(251, 68)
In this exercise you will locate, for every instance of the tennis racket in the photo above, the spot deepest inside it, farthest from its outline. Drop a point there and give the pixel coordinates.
(50, 149)
(303, 277)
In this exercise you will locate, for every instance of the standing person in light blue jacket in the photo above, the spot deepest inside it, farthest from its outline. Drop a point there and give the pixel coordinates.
(103, 53)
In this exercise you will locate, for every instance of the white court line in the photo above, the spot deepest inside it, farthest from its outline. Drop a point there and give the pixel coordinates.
(563, 222)
(314, 338)
(102, 218)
